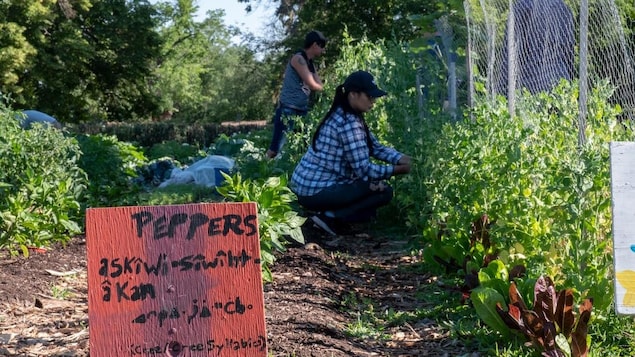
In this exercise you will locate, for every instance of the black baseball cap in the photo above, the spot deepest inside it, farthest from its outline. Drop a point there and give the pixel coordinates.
(314, 37)
(362, 81)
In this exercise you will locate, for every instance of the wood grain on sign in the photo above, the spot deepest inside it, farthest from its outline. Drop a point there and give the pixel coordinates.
(181, 280)
(623, 199)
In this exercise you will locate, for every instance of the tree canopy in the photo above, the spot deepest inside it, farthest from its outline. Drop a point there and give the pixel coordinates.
(84, 60)
(202, 75)
(79, 60)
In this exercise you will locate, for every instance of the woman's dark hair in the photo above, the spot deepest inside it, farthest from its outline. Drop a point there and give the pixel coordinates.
(341, 100)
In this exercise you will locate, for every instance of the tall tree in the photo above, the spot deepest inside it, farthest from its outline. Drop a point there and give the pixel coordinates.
(203, 75)
(20, 34)
(85, 58)
(374, 20)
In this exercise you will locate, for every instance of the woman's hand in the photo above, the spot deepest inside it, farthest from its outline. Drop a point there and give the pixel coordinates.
(403, 165)
(404, 160)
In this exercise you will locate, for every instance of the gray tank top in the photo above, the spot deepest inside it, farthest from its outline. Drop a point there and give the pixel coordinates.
(294, 93)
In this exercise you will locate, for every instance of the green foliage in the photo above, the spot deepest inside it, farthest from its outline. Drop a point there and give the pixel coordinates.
(227, 146)
(613, 337)
(551, 325)
(277, 219)
(459, 256)
(60, 293)
(494, 276)
(15, 40)
(450, 255)
(376, 20)
(250, 155)
(110, 165)
(392, 67)
(178, 194)
(493, 287)
(204, 77)
(108, 46)
(529, 175)
(485, 301)
(41, 185)
(182, 153)
(146, 134)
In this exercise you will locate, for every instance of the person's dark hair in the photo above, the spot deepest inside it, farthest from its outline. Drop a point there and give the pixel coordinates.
(314, 37)
(341, 101)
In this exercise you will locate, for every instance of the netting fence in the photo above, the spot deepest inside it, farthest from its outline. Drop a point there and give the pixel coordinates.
(533, 44)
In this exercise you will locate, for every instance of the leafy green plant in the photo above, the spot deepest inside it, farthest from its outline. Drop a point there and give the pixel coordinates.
(60, 293)
(472, 260)
(367, 323)
(363, 328)
(41, 185)
(551, 325)
(277, 219)
(248, 152)
(547, 196)
(491, 287)
(110, 165)
(178, 194)
(226, 145)
(182, 153)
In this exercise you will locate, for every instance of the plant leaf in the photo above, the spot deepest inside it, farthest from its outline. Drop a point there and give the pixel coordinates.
(511, 317)
(579, 347)
(515, 298)
(485, 301)
(533, 323)
(480, 232)
(497, 269)
(517, 271)
(563, 315)
(549, 336)
(544, 298)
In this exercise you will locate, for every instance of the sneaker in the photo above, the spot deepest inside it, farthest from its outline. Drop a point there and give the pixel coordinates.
(323, 222)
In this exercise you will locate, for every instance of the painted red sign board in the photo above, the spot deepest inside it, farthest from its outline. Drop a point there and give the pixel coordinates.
(179, 280)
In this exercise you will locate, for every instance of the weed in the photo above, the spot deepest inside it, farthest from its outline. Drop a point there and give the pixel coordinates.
(60, 293)
(363, 327)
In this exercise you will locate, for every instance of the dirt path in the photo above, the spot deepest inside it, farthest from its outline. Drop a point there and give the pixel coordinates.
(316, 297)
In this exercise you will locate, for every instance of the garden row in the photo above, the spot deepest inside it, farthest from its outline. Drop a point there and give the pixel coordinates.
(510, 204)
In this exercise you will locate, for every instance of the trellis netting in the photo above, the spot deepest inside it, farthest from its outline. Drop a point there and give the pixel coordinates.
(532, 44)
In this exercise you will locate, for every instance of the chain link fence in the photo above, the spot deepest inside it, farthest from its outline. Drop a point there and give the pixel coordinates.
(533, 44)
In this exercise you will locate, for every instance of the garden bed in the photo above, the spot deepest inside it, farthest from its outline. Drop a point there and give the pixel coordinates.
(309, 307)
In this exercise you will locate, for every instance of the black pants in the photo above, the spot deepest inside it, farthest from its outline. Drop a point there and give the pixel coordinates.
(282, 114)
(355, 202)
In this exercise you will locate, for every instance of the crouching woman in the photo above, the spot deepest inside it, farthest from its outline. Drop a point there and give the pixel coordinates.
(336, 178)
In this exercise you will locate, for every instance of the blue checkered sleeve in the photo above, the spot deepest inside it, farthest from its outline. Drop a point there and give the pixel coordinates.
(342, 156)
(358, 155)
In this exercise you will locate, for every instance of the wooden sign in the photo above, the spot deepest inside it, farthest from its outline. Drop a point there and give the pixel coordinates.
(623, 199)
(181, 280)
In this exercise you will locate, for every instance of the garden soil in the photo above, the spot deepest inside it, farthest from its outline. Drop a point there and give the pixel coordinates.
(44, 312)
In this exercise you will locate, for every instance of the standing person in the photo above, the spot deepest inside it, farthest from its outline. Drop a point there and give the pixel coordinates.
(336, 177)
(300, 79)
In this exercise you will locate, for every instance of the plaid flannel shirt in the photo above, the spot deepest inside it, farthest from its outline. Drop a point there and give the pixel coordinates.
(342, 156)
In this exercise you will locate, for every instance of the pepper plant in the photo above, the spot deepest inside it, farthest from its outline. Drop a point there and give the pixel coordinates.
(41, 185)
(277, 218)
